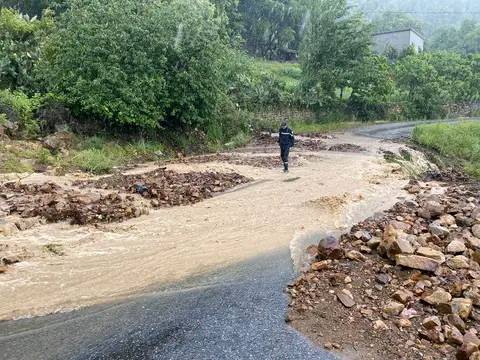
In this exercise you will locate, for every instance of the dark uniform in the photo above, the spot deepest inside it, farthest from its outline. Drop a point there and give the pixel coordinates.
(286, 141)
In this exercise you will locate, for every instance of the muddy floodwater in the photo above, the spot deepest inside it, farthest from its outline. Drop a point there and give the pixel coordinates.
(328, 192)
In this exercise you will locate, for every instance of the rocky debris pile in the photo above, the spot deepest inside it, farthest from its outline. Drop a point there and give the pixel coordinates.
(406, 283)
(311, 145)
(54, 203)
(347, 148)
(168, 188)
(317, 135)
(268, 162)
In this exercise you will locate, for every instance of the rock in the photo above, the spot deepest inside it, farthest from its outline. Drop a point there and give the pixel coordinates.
(431, 253)
(375, 242)
(473, 293)
(383, 279)
(438, 297)
(329, 248)
(471, 337)
(466, 350)
(453, 335)
(456, 247)
(417, 262)
(393, 308)
(437, 229)
(475, 356)
(458, 262)
(434, 335)
(395, 242)
(447, 220)
(362, 235)
(473, 242)
(346, 298)
(356, 256)
(59, 141)
(462, 307)
(409, 314)
(455, 321)
(9, 259)
(403, 296)
(476, 230)
(434, 208)
(403, 323)
(379, 325)
(321, 265)
(431, 322)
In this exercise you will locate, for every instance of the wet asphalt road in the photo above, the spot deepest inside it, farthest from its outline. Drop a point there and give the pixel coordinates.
(235, 313)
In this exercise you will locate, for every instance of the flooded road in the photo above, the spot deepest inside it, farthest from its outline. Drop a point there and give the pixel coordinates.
(201, 281)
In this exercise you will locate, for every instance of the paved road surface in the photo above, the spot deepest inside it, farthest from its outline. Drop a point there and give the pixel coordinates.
(235, 313)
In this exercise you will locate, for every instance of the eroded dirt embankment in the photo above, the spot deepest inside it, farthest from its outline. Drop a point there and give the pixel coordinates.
(69, 266)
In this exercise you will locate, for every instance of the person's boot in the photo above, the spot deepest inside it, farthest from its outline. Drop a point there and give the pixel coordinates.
(285, 167)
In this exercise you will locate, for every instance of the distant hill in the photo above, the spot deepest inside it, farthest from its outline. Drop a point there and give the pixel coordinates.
(434, 14)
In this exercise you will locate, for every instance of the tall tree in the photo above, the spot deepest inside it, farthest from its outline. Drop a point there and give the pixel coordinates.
(336, 42)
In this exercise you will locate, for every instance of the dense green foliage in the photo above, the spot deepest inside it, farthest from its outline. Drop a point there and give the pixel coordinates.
(139, 63)
(18, 110)
(336, 42)
(176, 69)
(464, 39)
(20, 40)
(460, 142)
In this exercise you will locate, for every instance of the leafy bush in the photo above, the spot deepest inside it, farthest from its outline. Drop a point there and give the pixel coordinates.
(148, 64)
(372, 84)
(19, 110)
(20, 44)
(420, 87)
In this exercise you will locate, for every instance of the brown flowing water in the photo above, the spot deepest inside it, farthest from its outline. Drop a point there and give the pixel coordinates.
(329, 192)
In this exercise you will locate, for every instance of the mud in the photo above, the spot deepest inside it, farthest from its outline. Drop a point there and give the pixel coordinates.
(173, 243)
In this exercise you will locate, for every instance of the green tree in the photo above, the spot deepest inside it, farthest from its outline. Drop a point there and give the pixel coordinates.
(20, 43)
(335, 43)
(372, 85)
(273, 28)
(454, 74)
(420, 87)
(142, 63)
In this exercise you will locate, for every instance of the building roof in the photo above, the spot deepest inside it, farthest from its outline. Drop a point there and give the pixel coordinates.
(399, 31)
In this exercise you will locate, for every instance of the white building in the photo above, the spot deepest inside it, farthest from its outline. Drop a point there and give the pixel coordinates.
(398, 40)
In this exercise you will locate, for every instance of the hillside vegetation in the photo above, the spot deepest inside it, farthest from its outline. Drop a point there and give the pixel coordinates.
(201, 75)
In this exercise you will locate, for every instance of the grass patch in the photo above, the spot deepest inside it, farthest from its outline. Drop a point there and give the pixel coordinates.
(458, 142)
(97, 155)
(287, 72)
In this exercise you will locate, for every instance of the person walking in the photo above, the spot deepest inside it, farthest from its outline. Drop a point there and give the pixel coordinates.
(286, 141)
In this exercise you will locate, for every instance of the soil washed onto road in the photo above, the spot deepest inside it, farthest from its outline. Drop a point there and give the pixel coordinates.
(232, 212)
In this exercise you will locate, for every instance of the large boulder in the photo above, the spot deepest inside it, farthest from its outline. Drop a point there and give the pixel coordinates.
(59, 142)
(329, 248)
